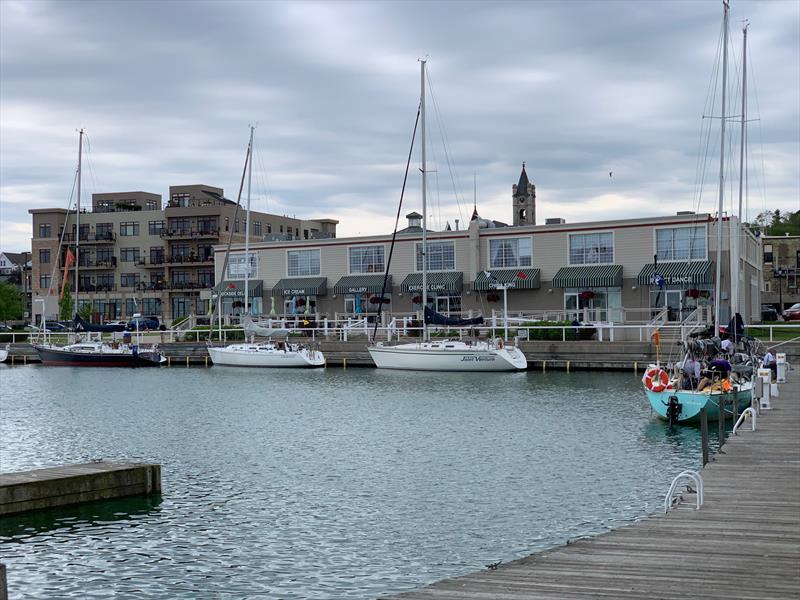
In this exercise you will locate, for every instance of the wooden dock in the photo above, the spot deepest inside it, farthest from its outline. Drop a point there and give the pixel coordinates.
(74, 484)
(744, 543)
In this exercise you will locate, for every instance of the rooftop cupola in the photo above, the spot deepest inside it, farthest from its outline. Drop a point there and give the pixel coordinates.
(414, 219)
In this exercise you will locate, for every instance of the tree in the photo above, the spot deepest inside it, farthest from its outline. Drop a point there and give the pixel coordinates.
(65, 304)
(85, 312)
(11, 304)
(777, 223)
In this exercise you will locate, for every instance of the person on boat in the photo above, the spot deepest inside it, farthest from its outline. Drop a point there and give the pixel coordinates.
(770, 363)
(690, 373)
(727, 345)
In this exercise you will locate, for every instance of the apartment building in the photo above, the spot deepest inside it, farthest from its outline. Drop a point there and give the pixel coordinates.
(135, 255)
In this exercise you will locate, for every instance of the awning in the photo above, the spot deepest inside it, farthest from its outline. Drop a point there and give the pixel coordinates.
(234, 288)
(445, 281)
(676, 273)
(523, 279)
(588, 276)
(362, 284)
(308, 286)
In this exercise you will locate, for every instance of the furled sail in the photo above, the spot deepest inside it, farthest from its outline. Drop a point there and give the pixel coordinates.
(434, 318)
(81, 325)
(262, 329)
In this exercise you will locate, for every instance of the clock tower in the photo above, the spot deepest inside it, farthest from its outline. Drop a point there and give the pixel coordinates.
(523, 197)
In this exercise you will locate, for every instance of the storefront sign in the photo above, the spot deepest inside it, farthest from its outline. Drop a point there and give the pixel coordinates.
(356, 290)
(439, 287)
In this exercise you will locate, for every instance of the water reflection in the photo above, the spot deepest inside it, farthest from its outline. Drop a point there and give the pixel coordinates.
(65, 518)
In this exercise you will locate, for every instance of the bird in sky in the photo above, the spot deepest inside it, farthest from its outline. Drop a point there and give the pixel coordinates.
(610, 173)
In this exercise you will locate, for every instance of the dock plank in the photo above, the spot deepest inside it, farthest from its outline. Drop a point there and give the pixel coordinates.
(743, 543)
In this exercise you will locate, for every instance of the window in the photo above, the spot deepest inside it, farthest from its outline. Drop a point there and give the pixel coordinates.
(510, 253)
(129, 228)
(180, 277)
(181, 225)
(303, 263)
(104, 231)
(257, 228)
(681, 243)
(129, 279)
(207, 224)
(44, 255)
(155, 227)
(768, 287)
(151, 306)
(205, 278)
(237, 266)
(181, 250)
(44, 281)
(104, 206)
(227, 223)
(269, 227)
(129, 255)
(768, 258)
(205, 252)
(45, 230)
(180, 200)
(150, 204)
(104, 256)
(236, 226)
(105, 281)
(84, 232)
(156, 255)
(441, 256)
(157, 278)
(367, 259)
(130, 306)
(281, 229)
(591, 248)
(305, 234)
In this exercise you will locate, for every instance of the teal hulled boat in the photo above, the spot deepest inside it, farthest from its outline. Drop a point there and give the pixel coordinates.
(688, 403)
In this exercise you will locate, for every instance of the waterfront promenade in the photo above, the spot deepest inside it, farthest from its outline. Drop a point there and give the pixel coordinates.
(744, 543)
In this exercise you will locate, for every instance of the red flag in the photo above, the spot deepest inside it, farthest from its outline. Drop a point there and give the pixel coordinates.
(69, 260)
(522, 275)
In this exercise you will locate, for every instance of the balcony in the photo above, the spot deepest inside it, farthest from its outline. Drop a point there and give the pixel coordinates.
(187, 234)
(186, 285)
(94, 264)
(108, 237)
(187, 260)
(97, 288)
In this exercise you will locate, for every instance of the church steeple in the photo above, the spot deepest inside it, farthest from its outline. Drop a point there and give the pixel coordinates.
(523, 200)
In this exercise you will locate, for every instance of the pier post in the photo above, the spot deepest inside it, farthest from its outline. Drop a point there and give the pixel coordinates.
(721, 420)
(735, 405)
(704, 434)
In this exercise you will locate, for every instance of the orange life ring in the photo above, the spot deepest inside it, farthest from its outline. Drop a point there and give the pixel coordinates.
(656, 379)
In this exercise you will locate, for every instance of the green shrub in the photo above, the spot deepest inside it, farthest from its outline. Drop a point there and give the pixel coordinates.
(17, 337)
(204, 334)
(550, 334)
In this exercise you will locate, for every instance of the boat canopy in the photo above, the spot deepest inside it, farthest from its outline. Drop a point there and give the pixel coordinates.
(438, 281)
(434, 318)
(523, 279)
(695, 272)
(301, 286)
(588, 276)
(362, 284)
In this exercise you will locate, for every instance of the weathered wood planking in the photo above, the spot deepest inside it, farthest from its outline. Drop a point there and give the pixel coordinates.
(744, 543)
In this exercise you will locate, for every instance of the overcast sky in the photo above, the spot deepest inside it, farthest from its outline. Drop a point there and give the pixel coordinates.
(166, 91)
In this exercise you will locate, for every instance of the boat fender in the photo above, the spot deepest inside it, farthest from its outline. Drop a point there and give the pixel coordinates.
(656, 379)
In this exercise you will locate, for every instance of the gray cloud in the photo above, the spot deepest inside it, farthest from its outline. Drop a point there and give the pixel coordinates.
(166, 91)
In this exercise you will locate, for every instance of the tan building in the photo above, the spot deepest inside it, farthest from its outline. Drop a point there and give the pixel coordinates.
(137, 256)
(606, 267)
(781, 270)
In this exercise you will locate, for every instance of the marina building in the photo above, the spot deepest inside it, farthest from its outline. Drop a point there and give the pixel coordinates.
(619, 270)
(139, 256)
(781, 270)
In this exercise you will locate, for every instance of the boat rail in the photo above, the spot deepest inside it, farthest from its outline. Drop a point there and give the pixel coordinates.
(670, 499)
(749, 411)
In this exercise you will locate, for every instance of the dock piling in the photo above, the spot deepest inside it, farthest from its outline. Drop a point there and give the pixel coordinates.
(721, 421)
(704, 434)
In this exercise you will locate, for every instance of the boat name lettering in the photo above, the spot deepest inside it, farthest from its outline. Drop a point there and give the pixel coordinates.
(478, 358)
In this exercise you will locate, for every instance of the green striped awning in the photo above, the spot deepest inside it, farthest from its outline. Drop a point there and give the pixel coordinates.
(362, 284)
(588, 276)
(444, 281)
(235, 288)
(523, 279)
(308, 286)
(675, 273)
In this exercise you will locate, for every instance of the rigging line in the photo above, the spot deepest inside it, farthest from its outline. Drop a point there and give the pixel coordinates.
(263, 174)
(763, 178)
(230, 241)
(445, 143)
(394, 233)
(63, 232)
(90, 162)
(437, 201)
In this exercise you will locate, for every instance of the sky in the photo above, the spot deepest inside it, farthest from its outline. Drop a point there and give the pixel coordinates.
(603, 101)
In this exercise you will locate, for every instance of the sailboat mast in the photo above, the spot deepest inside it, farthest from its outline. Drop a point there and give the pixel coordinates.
(247, 226)
(736, 251)
(78, 223)
(424, 294)
(718, 291)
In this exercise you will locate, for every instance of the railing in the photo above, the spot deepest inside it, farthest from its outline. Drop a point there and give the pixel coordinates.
(189, 233)
(670, 499)
(70, 238)
(749, 411)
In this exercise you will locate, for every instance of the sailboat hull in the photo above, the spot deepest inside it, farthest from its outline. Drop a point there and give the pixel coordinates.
(247, 355)
(693, 402)
(55, 357)
(446, 356)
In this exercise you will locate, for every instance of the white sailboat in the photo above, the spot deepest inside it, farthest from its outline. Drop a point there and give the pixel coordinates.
(443, 355)
(276, 350)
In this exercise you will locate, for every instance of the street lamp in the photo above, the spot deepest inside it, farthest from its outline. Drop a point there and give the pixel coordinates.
(502, 286)
(779, 274)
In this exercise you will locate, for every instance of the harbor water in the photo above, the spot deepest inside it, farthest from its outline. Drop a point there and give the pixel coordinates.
(324, 483)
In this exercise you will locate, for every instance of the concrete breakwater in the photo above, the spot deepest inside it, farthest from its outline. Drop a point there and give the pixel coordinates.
(541, 355)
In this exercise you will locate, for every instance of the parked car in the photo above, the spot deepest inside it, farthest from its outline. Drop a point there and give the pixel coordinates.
(792, 313)
(769, 313)
(122, 323)
(143, 324)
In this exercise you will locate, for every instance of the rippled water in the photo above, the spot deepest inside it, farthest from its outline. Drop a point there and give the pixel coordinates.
(325, 483)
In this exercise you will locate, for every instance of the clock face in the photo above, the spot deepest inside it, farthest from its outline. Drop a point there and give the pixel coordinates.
(522, 200)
